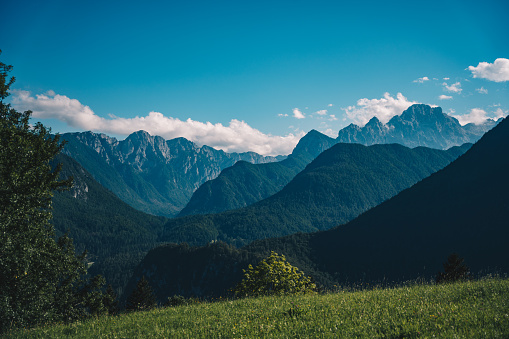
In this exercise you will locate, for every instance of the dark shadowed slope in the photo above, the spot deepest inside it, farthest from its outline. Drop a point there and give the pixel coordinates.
(464, 208)
(115, 235)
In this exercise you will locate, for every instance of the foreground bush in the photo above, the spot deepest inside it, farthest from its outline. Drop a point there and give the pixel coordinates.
(273, 276)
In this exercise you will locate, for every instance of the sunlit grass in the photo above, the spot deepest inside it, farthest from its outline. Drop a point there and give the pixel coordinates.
(464, 310)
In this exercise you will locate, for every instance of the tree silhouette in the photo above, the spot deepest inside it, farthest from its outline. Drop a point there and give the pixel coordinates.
(454, 270)
(142, 298)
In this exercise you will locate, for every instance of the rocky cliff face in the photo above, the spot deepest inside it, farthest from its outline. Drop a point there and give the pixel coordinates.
(419, 125)
(150, 173)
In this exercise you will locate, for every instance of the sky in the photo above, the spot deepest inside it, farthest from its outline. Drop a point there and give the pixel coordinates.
(252, 75)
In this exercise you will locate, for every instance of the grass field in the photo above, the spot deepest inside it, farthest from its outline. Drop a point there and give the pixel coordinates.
(478, 309)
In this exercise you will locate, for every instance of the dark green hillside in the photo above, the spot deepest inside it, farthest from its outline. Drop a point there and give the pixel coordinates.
(115, 235)
(244, 183)
(209, 271)
(338, 185)
(464, 208)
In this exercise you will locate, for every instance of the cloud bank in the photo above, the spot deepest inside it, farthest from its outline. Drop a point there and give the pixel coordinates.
(478, 116)
(384, 109)
(238, 136)
(497, 71)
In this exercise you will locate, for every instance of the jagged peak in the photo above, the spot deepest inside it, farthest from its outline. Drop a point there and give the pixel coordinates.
(374, 121)
(421, 110)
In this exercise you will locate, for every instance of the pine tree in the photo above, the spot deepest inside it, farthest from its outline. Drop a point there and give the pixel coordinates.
(40, 278)
(454, 270)
(111, 300)
(142, 298)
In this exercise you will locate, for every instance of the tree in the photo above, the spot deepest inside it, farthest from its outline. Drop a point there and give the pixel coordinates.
(41, 279)
(273, 276)
(142, 298)
(454, 270)
(111, 300)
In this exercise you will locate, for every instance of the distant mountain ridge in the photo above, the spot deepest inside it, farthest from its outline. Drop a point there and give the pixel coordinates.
(244, 183)
(150, 173)
(419, 125)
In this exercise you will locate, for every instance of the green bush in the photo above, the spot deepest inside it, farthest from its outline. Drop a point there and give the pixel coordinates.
(273, 276)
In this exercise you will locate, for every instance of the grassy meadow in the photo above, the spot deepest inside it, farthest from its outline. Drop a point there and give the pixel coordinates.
(477, 309)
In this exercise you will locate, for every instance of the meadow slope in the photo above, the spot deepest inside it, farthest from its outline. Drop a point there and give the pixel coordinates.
(478, 309)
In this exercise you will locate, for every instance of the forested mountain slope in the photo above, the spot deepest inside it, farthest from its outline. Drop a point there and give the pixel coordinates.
(245, 183)
(337, 186)
(115, 235)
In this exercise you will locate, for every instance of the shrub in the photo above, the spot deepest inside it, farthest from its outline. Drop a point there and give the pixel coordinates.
(273, 276)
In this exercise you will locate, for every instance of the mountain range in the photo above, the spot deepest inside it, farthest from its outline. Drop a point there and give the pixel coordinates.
(462, 208)
(151, 174)
(419, 125)
(243, 185)
(175, 177)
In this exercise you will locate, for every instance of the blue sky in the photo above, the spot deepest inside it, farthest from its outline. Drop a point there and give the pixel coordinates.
(241, 75)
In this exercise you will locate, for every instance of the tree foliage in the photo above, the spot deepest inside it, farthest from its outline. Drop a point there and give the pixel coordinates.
(41, 279)
(454, 270)
(273, 276)
(142, 298)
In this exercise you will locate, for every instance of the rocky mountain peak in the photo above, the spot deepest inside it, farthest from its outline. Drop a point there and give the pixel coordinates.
(418, 125)
(313, 143)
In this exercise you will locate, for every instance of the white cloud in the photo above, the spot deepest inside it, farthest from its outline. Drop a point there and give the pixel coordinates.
(497, 71)
(421, 80)
(478, 116)
(384, 109)
(329, 132)
(456, 87)
(482, 90)
(447, 79)
(297, 114)
(330, 105)
(332, 117)
(500, 113)
(282, 115)
(238, 136)
(321, 112)
(444, 97)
